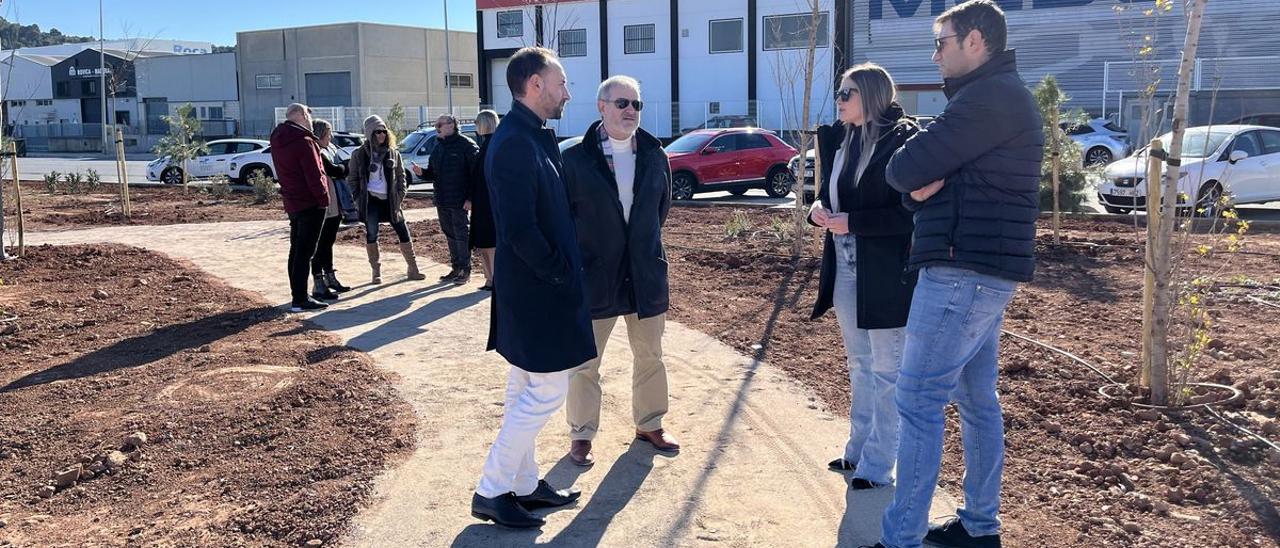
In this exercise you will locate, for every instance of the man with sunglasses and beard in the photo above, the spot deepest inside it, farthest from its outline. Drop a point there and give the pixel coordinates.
(450, 163)
(619, 183)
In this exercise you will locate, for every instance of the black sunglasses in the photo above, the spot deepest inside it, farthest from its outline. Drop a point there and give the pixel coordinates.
(442, 124)
(844, 94)
(379, 132)
(937, 42)
(622, 103)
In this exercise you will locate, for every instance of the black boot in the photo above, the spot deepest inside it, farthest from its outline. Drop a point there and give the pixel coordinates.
(952, 534)
(504, 510)
(321, 290)
(331, 279)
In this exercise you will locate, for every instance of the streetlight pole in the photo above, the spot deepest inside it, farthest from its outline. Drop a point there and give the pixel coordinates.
(448, 69)
(102, 77)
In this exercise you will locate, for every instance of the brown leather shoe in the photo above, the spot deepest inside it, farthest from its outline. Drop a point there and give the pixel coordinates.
(660, 440)
(580, 453)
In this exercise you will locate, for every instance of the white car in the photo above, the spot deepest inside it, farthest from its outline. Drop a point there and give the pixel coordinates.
(1243, 161)
(417, 146)
(1100, 140)
(242, 167)
(207, 164)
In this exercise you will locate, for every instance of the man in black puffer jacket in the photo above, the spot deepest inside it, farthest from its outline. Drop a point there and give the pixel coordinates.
(973, 177)
(450, 164)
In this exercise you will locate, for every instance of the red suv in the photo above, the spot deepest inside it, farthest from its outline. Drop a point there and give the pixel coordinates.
(733, 160)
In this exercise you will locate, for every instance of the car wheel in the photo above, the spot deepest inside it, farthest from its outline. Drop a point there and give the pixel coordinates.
(1117, 210)
(1098, 156)
(171, 176)
(682, 186)
(1209, 201)
(779, 183)
(738, 191)
(258, 171)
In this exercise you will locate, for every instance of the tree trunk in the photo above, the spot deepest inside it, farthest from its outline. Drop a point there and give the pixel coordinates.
(801, 210)
(17, 200)
(1163, 302)
(1154, 163)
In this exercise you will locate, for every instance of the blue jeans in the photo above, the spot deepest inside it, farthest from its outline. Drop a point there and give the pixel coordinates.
(874, 358)
(952, 353)
(377, 210)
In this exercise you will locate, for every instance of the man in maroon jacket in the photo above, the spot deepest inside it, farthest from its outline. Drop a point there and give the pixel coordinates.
(305, 192)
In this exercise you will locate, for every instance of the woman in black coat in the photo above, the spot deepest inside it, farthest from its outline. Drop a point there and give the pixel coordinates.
(484, 237)
(864, 262)
(325, 277)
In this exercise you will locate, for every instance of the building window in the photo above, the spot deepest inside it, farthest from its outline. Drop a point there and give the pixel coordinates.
(215, 113)
(44, 102)
(269, 81)
(572, 42)
(17, 103)
(638, 39)
(726, 36)
(458, 80)
(792, 31)
(510, 24)
(89, 87)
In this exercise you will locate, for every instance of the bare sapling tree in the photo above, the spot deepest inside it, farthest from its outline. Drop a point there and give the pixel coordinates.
(792, 78)
(1162, 306)
(181, 145)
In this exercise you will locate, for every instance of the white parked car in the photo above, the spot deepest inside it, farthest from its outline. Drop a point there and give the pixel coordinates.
(417, 146)
(243, 167)
(1101, 141)
(207, 164)
(1243, 161)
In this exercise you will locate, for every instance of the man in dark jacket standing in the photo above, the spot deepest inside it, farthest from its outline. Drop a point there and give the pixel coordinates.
(619, 183)
(540, 320)
(973, 176)
(450, 163)
(304, 188)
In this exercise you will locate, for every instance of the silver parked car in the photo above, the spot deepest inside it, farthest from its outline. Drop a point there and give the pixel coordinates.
(1101, 141)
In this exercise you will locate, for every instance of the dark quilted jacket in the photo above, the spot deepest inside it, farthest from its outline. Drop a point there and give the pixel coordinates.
(987, 145)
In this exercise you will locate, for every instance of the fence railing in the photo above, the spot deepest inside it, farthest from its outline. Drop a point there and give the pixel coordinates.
(662, 118)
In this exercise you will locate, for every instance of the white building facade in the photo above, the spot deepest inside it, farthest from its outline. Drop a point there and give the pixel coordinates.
(703, 60)
(697, 61)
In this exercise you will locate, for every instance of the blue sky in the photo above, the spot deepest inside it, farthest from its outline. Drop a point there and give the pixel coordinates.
(218, 21)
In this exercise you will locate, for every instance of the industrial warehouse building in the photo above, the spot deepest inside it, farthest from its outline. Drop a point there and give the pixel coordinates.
(705, 61)
(358, 65)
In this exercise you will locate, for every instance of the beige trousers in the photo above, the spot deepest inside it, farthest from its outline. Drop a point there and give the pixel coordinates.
(648, 378)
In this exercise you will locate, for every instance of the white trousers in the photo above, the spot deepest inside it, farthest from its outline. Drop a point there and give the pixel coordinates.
(531, 400)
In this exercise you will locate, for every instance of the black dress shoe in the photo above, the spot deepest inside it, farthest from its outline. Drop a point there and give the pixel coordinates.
(545, 496)
(859, 484)
(841, 465)
(504, 510)
(952, 534)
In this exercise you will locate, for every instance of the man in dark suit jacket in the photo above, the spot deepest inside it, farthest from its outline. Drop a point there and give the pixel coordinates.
(619, 183)
(540, 319)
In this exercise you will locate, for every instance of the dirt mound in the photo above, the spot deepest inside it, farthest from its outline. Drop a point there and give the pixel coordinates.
(256, 429)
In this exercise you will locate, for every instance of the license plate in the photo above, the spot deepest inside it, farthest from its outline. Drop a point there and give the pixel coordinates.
(1127, 192)
(808, 173)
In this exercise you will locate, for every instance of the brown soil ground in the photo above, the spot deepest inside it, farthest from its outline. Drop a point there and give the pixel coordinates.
(151, 206)
(260, 430)
(1081, 470)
